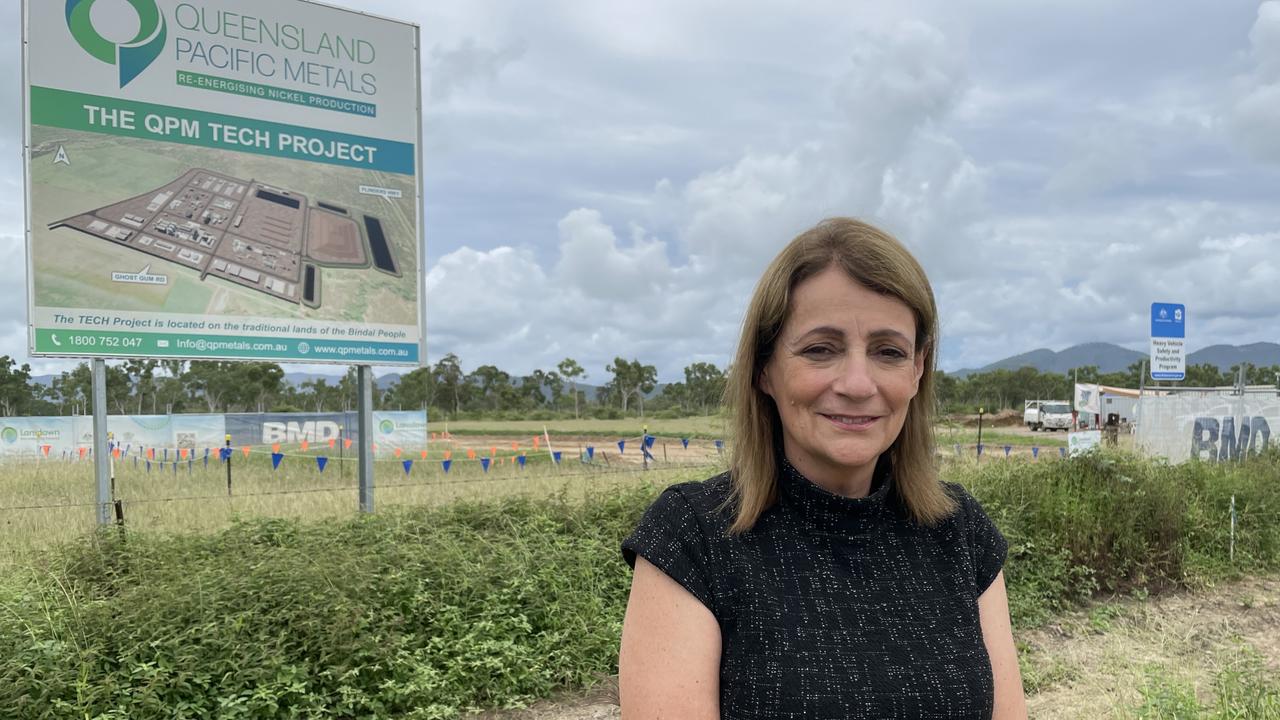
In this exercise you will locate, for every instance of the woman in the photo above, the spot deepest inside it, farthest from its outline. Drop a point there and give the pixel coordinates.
(829, 573)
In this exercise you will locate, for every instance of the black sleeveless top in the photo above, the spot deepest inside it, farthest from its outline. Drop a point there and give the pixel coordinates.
(834, 607)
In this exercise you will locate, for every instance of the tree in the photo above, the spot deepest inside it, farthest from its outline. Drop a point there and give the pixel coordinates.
(320, 394)
(570, 370)
(141, 374)
(632, 378)
(75, 387)
(16, 393)
(415, 389)
(214, 380)
(494, 385)
(448, 377)
(704, 385)
(256, 383)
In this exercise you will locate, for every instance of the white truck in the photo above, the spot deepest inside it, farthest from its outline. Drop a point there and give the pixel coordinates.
(1047, 415)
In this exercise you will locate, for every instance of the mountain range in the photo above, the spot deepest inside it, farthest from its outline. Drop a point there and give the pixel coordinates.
(1114, 358)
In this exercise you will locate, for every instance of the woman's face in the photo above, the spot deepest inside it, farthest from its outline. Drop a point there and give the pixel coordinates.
(843, 371)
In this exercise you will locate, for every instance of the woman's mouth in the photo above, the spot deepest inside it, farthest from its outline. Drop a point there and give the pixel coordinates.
(851, 422)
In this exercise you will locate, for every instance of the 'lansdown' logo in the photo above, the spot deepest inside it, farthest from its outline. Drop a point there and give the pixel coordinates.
(9, 435)
(132, 57)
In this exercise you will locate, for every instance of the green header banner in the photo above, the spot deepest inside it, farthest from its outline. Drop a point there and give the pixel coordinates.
(114, 116)
(105, 343)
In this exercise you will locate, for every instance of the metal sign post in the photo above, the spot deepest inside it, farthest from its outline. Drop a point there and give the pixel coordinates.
(364, 411)
(101, 453)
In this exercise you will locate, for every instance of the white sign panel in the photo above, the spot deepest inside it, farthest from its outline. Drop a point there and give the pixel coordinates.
(199, 181)
(1083, 441)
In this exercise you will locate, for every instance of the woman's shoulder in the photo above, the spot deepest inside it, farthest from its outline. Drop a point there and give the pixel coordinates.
(709, 493)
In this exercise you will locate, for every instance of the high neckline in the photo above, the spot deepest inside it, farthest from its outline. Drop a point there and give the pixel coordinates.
(828, 511)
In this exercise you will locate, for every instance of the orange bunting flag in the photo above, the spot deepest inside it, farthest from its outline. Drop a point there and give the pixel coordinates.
(493, 451)
(332, 441)
(183, 453)
(116, 453)
(275, 448)
(448, 454)
(515, 446)
(424, 454)
(305, 445)
(245, 450)
(398, 452)
(347, 443)
(82, 451)
(471, 454)
(151, 453)
(45, 449)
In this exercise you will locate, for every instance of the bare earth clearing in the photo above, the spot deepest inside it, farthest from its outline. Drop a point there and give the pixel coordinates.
(1092, 663)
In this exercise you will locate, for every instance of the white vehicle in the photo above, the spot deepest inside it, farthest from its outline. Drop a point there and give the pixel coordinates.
(1047, 415)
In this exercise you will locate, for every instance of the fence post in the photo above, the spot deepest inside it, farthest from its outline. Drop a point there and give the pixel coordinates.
(98, 380)
(228, 454)
(364, 424)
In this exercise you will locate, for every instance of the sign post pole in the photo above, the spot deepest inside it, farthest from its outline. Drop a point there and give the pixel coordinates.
(101, 472)
(364, 402)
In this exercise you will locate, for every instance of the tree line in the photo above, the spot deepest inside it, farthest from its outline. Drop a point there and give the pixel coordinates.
(447, 391)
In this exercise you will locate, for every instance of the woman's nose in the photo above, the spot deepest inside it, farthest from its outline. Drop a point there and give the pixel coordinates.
(855, 377)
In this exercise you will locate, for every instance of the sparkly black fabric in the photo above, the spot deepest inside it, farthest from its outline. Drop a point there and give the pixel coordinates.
(834, 607)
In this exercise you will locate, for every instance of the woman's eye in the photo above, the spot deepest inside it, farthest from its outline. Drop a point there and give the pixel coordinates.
(892, 353)
(818, 351)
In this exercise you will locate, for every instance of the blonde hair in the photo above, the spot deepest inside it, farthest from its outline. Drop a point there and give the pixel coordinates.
(874, 259)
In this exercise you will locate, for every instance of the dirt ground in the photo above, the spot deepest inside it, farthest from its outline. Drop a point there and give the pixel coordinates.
(1091, 663)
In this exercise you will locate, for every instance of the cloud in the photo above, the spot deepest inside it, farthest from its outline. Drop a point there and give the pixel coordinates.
(592, 262)
(1257, 110)
(450, 70)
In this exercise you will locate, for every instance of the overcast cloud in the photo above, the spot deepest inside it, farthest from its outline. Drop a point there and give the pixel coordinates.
(608, 179)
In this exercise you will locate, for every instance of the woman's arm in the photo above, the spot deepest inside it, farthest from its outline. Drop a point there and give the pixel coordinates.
(669, 665)
(997, 635)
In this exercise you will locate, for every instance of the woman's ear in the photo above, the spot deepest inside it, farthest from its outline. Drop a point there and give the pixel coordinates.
(919, 362)
(762, 382)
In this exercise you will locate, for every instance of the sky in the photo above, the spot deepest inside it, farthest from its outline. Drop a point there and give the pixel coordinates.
(606, 179)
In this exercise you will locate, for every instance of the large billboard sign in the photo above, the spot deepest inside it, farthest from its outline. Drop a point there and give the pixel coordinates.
(229, 179)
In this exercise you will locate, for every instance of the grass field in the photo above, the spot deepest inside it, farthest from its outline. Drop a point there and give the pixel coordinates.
(481, 590)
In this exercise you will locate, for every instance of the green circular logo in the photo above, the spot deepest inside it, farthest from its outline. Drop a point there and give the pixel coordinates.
(9, 435)
(387, 427)
(132, 57)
